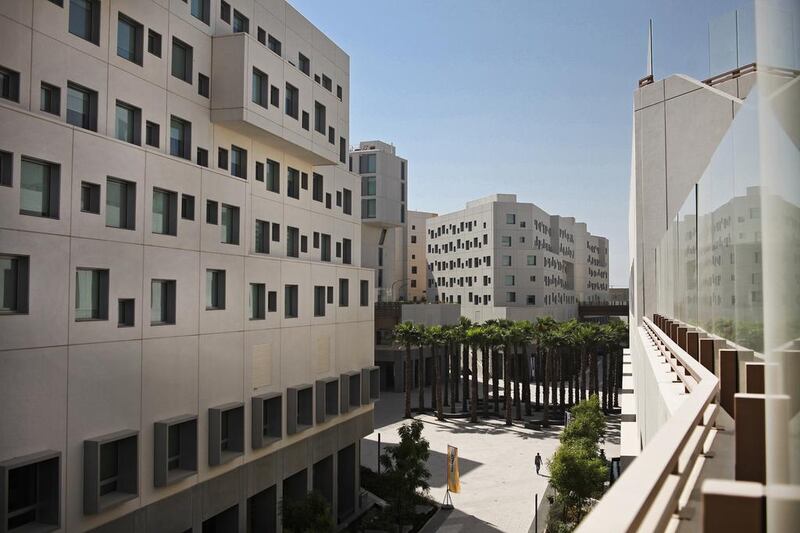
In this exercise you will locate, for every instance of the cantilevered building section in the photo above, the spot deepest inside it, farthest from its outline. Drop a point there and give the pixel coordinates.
(420, 277)
(186, 332)
(500, 258)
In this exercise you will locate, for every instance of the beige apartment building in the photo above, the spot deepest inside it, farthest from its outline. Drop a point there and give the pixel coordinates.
(419, 276)
(186, 331)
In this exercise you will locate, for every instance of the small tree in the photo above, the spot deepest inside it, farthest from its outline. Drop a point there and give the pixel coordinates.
(587, 425)
(406, 471)
(307, 515)
(578, 474)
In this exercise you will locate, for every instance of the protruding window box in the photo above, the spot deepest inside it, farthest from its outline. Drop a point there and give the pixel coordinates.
(350, 387)
(36, 481)
(267, 414)
(110, 470)
(327, 399)
(225, 433)
(175, 450)
(299, 408)
(370, 384)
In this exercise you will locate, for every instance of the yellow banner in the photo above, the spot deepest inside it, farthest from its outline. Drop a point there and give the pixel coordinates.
(453, 481)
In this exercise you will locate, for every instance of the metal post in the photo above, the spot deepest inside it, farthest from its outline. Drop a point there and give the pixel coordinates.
(536, 514)
(379, 454)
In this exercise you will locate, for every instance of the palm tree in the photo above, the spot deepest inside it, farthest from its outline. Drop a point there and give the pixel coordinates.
(420, 342)
(451, 340)
(464, 324)
(405, 335)
(489, 332)
(494, 341)
(473, 340)
(517, 338)
(526, 333)
(435, 337)
(545, 327)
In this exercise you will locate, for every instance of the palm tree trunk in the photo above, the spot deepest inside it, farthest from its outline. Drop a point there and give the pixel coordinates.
(485, 374)
(454, 378)
(433, 379)
(593, 372)
(526, 391)
(495, 379)
(605, 382)
(582, 376)
(421, 374)
(537, 364)
(518, 381)
(473, 403)
(446, 374)
(507, 382)
(571, 379)
(465, 375)
(407, 380)
(437, 384)
(546, 393)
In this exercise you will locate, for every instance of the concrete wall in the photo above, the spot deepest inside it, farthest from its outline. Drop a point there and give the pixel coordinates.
(417, 271)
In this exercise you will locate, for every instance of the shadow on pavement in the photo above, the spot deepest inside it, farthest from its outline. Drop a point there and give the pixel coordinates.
(455, 521)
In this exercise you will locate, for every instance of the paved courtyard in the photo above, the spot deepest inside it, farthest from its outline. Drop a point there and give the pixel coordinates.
(498, 478)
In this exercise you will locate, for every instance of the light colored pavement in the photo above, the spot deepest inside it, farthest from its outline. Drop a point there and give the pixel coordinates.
(498, 477)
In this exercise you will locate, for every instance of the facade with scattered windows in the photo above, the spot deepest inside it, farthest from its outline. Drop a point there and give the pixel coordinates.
(174, 296)
(420, 277)
(500, 258)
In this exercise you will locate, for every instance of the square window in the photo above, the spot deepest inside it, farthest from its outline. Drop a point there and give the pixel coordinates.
(90, 197)
(327, 399)
(215, 289)
(187, 207)
(50, 99)
(14, 284)
(32, 486)
(9, 84)
(165, 212)
(152, 134)
(91, 294)
(154, 43)
(203, 85)
(126, 308)
(181, 60)
(200, 10)
(84, 19)
(211, 212)
(266, 419)
(225, 433)
(110, 470)
(130, 39)
(366, 164)
(128, 123)
(39, 188)
(239, 162)
(180, 138)
(175, 449)
(511, 218)
(120, 204)
(81, 107)
(229, 228)
(290, 303)
(260, 88)
(257, 301)
(327, 83)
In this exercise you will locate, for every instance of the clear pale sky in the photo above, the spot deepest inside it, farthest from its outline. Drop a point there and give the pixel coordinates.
(526, 97)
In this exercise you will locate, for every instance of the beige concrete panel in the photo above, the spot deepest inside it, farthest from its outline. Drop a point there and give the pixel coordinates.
(730, 87)
(150, 98)
(264, 270)
(182, 178)
(104, 396)
(297, 273)
(223, 190)
(295, 354)
(182, 10)
(201, 59)
(21, 10)
(321, 345)
(231, 317)
(96, 159)
(46, 322)
(262, 362)
(678, 84)
(181, 266)
(154, 69)
(18, 58)
(55, 23)
(197, 116)
(652, 94)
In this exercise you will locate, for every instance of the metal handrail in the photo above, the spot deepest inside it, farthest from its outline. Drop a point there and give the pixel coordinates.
(646, 495)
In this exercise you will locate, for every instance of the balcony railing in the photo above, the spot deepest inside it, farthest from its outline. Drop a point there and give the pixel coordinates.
(646, 497)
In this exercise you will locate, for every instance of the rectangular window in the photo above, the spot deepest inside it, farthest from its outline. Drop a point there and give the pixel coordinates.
(262, 35)
(332, 135)
(165, 209)
(344, 292)
(229, 229)
(366, 164)
(154, 43)
(120, 204)
(239, 162)
(91, 294)
(319, 300)
(304, 244)
(211, 212)
(128, 123)
(531, 260)
(39, 188)
(240, 23)
(317, 187)
(364, 293)
(126, 316)
(262, 237)
(200, 10)
(272, 301)
(225, 11)
(181, 60)
(325, 246)
(304, 64)
(292, 100)
(50, 99)
(368, 208)
(347, 201)
(273, 176)
(292, 242)
(339, 95)
(202, 157)
(506, 261)
(368, 186)
(511, 297)
(342, 150)
(319, 118)
(84, 19)
(327, 83)
(187, 207)
(511, 218)
(180, 138)
(203, 85)
(90, 197)
(130, 39)
(505, 240)
(290, 297)
(530, 299)
(338, 198)
(152, 133)
(276, 232)
(274, 44)
(509, 281)
(260, 171)
(9, 84)
(81, 107)
(162, 302)
(293, 183)
(13, 284)
(257, 301)
(304, 180)
(260, 88)
(347, 251)
(305, 121)
(215, 289)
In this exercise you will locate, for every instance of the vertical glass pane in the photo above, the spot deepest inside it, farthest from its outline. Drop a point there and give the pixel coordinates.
(115, 204)
(77, 107)
(80, 18)
(124, 123)
(35, 188)
(126, 40)
(87, 294)
(176, 139)
(157, 301)
(178, 61)
(160, 206)
(225, 225)
(8, 285)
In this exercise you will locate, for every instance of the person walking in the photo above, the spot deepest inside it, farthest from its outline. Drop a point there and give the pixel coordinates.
(538, 462)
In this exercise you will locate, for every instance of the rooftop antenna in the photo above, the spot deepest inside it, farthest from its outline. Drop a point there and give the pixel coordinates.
(648, 79)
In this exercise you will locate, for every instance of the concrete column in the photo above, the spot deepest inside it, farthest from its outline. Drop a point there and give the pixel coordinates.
(751, 464)
(733, 506)
(728, 379)
(754, 378)
(706, 349)
(692, 343)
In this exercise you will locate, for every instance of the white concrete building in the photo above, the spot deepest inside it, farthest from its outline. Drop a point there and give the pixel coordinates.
(186, 332)
(383, 214)
(500, 258)
(420, 277)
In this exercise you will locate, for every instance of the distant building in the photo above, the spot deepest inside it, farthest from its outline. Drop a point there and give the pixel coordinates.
(500, 258)
(419, 275)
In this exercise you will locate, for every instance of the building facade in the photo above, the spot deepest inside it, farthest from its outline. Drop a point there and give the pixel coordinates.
(420, 277)
(500, 258)
(186, 331)
(383, 214)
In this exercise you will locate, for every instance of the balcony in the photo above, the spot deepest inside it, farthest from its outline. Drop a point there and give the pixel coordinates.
(232, 104)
